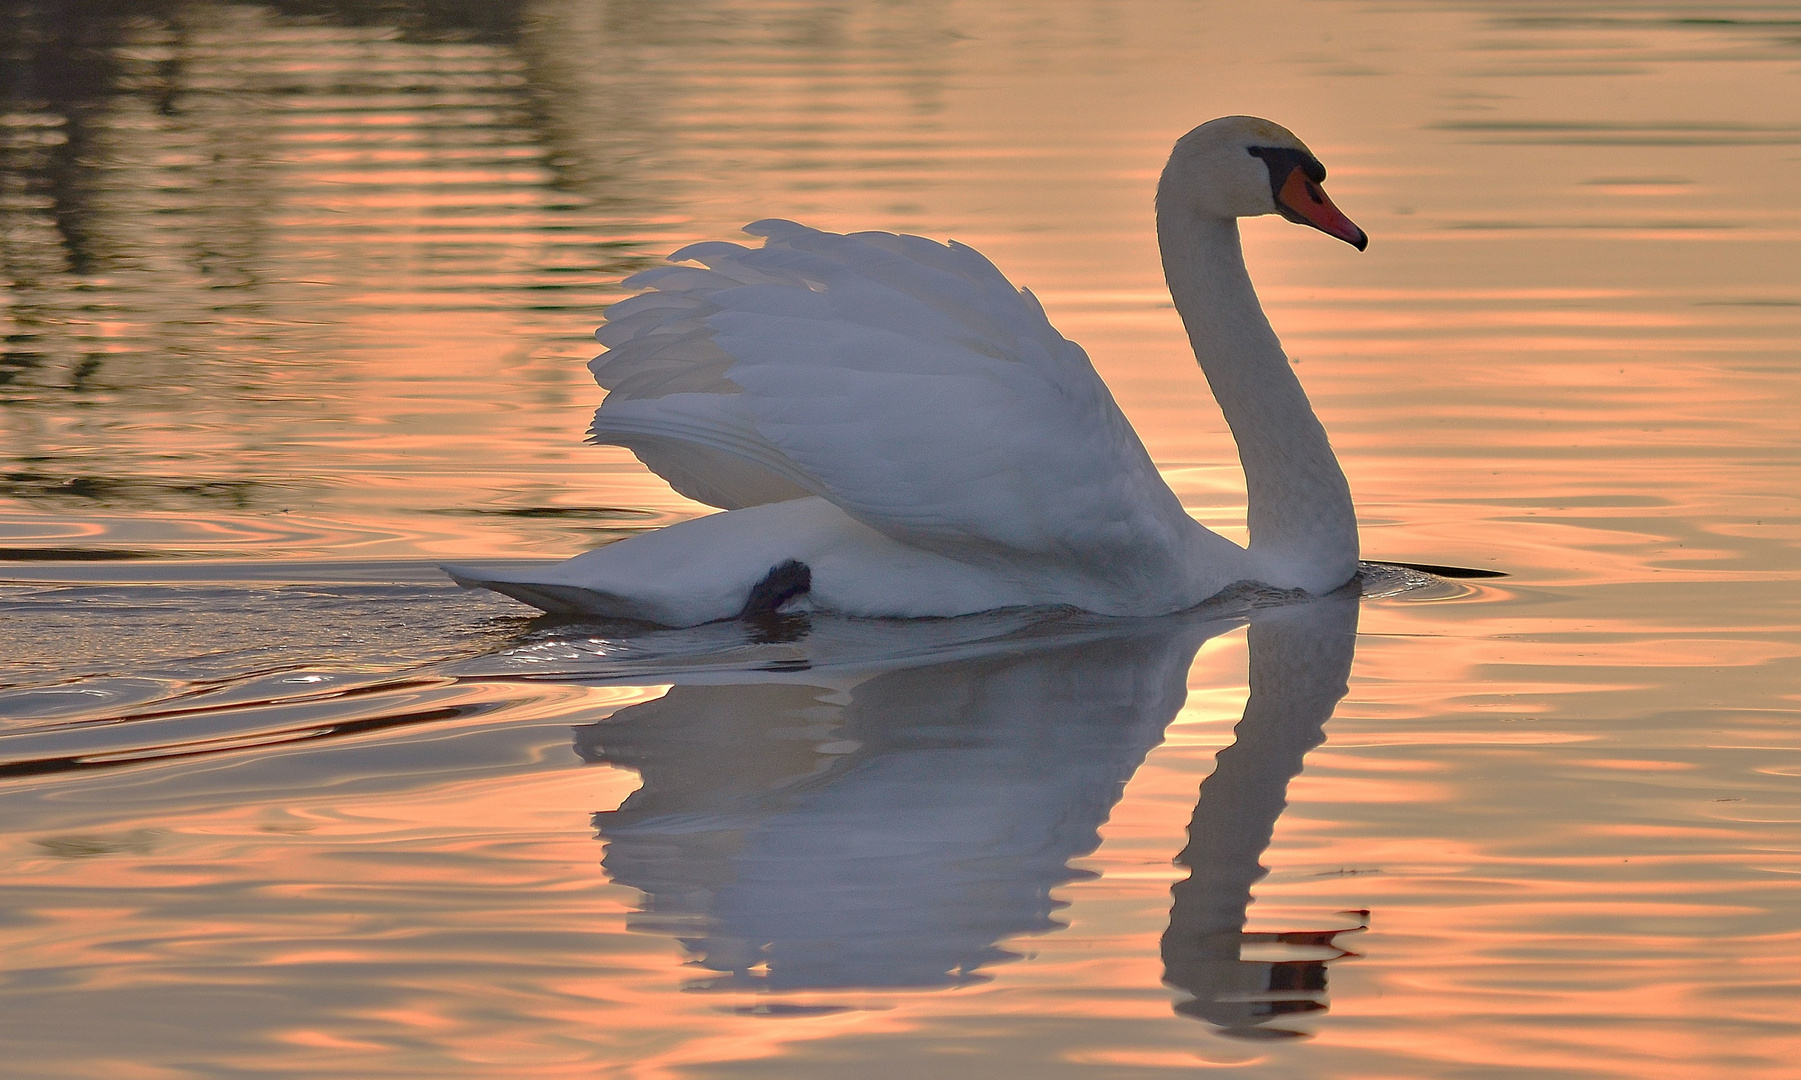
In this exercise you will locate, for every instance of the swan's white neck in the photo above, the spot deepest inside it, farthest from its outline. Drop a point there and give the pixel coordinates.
(1303, 528)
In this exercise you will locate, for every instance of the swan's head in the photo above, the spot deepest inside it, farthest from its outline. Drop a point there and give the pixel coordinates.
(1240, 166)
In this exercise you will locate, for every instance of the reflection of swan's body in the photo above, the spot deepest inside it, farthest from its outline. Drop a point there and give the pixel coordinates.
(893, 827)
(893, 426)
(892, 833)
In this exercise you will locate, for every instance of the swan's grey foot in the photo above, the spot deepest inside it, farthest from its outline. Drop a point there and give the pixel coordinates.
(784, 582)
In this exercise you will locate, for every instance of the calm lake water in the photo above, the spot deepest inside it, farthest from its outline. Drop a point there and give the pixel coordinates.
(299, 296)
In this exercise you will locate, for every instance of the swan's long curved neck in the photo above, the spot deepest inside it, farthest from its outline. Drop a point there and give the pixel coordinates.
(1302, 525)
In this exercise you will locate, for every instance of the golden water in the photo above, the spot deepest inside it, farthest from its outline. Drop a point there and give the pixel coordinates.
(299, 299)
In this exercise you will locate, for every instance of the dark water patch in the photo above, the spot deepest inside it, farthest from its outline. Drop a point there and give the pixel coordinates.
(138, 492)
(1596, 133)
(1638, 181)
(89, 845)
(777, 1008)
(1643, 19)
(253, 573)
(417, 20)
(1663, 225)
(777, 628)
(1563, 502)
(576, 513)
(1449, 571)
(229, 744)
(70, 554)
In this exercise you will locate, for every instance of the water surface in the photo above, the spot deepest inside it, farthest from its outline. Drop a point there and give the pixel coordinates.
(298, 301)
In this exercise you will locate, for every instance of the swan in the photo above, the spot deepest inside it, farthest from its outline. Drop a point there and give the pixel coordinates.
(893, 429)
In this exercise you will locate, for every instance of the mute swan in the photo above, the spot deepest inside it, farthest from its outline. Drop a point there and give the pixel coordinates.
(893, 429)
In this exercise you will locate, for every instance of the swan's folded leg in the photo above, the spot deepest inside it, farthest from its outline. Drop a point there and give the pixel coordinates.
(712, 567)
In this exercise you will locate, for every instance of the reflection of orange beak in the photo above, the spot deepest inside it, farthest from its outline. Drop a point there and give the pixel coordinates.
(1302, 201)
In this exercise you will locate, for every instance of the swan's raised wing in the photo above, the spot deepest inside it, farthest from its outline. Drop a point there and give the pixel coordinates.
(907, 381)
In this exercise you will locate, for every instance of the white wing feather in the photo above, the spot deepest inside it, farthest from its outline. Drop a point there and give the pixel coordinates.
(904, 380)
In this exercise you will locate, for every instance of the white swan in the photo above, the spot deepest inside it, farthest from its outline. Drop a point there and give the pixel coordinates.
(893, 429)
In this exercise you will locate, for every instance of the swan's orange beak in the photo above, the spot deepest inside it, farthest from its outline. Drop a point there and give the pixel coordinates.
(1302, 201)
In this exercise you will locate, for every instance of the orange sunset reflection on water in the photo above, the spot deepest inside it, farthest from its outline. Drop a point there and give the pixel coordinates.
(299, 301)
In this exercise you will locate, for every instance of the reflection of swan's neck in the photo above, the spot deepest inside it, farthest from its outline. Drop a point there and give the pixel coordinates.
(1299, 663)
(1300, 658)
(1303, 529)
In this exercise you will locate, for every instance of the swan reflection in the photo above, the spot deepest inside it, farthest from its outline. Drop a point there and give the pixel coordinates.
(1299, 661)
(888, 826)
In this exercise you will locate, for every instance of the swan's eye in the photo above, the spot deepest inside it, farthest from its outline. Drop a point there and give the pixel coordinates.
(1282, 162)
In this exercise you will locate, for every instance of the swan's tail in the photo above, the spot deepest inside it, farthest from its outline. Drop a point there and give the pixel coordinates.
(552, 597)
(786, 581)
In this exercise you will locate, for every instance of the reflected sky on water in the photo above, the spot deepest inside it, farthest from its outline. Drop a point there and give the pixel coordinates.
(298, 301)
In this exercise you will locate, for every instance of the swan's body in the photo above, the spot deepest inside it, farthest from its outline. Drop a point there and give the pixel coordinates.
(894, 429)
